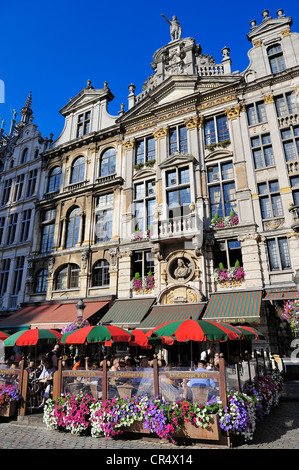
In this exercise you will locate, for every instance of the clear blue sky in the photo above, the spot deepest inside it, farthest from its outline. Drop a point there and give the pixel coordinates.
(52, 48)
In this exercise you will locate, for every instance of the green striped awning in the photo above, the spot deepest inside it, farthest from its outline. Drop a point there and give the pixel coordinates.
(127, 312)
(161, 314)
(281, 295)
(234, 307)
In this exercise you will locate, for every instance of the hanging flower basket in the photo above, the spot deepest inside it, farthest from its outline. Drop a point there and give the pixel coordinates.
(229, 276)
(291, 315)
(75, 325)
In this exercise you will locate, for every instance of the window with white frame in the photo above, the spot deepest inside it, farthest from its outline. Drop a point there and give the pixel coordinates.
(54, 179)
(178, 192)
(278, 252)
(262, 151)
(227, 252)
(78, 170)
(144, 203)
(286, 104)
(221, 186)
(25, 225)
(4, 275)
(18, 189)
(104, 218)
(67, 277)
(31, 182)
(145, 150)
(47, 230)
(11, 228)
(276, 59)
(216, 130)
(108, 162)
(290, 141)
(73, 227)
(256, 113)
(100, 274)
(143, 263)
(178, 140)
(270, 199)
(83, 124)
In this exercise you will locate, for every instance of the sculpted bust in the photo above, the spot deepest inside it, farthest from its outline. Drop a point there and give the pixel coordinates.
(181, 271)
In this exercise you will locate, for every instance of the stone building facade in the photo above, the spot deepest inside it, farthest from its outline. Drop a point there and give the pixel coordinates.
(190, 193)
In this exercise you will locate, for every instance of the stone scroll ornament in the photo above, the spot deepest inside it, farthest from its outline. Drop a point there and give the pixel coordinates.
(175, 28)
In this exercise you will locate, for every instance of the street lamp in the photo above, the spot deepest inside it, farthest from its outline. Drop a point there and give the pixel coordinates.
(80, 309)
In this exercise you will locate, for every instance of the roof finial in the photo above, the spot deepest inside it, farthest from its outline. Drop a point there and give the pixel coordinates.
(26, 112)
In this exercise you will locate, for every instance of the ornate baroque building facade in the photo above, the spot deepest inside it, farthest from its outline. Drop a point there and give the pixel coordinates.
(190, 194)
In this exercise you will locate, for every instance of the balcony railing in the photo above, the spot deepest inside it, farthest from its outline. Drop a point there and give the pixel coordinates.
(288, 120)
(185, 226)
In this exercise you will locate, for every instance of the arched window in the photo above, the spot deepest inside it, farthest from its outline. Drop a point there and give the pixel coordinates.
(36, 153)
(108, 159)
(25, 155)
(73, 227)
(276, 59)
(100, 274)
(41, 281)
(67, 277)
(54, 179)
(78, 170)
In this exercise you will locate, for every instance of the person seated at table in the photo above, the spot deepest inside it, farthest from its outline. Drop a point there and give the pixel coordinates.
(80, 363)
(170, 389)
(201, 382)
(143, 383)
(46, 375)
(115, 365)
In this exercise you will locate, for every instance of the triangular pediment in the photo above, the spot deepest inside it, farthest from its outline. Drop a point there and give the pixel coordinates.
(269, 25)
(177, 159)
(87, 96)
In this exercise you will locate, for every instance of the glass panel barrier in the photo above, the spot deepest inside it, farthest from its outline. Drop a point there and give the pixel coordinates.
(76, 381)
(195, 386)
(231, 375)
(129, 383)
(9, 376)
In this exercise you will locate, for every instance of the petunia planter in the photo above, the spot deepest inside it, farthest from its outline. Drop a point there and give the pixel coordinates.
(188, 430)
(9, 409)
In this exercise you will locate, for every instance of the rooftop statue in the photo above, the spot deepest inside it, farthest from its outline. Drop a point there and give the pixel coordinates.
(175, 28)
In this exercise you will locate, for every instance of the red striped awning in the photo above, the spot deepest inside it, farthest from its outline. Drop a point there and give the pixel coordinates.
(161, 314)
(234, 306)
(129, 312)
(281, 295)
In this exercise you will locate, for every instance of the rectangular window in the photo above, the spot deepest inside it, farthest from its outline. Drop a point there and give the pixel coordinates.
(216, 130)
(18, 274)
(47, 230)
(2, 224)
(222, 189)
(256, 113)
(83, 124)
(178, 140)
(262, 151)
(286, 104)
(144, 202)
(25, 224)
(31, 183)
(228, 252)
(278, 252)
(290, 140)
(104, 218)
(270, 200)
(6, 192)
(143, 263)
(18, 188)
(145, 150)
(4, 274)
(178, 192)
(11, 228)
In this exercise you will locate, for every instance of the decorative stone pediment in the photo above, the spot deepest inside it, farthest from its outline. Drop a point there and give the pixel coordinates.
(177, 159)
(86, 97)
(269, 25)
(218, 153)
(144, 173)
(179, 294)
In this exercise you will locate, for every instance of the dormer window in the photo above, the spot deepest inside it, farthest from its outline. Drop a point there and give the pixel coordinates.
(83, 126)
(276, 59)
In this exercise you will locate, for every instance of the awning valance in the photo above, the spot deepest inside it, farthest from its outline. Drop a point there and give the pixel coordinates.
(128, 312)
(161, 314)
(234, 307)
(54, 316)
(281, 295)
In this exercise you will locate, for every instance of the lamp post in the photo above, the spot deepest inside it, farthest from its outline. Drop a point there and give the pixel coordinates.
(80, 309)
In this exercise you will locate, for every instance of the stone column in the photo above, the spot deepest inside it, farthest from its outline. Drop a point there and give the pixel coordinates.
(124, 275)
(251, 260)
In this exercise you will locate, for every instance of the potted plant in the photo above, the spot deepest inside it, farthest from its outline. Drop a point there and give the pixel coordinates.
(224, 222)
(9, 400)
(227, 276)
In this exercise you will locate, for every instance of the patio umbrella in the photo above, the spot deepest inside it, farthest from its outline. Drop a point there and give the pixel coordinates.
(97, 334)
(3, 336)
(32, 337)
(250, 333)
(145, 338)
(199, 330)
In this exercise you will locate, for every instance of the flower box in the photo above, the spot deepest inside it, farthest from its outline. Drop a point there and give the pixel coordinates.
(9, 409)
(211, 432)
